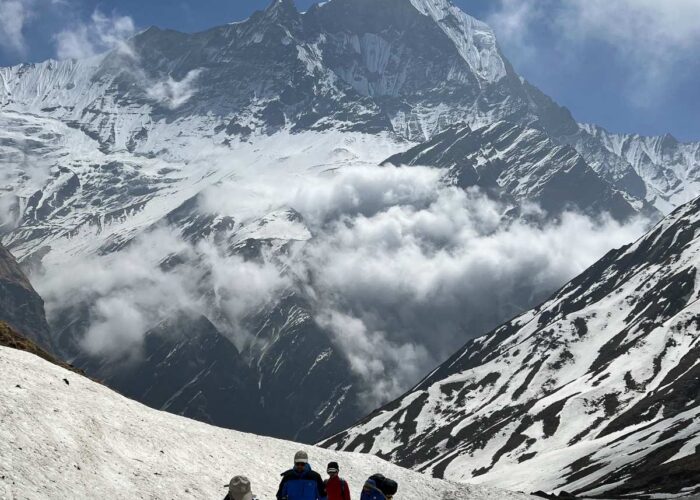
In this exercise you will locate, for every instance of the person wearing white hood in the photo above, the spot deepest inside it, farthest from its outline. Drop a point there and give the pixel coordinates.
(239, 489)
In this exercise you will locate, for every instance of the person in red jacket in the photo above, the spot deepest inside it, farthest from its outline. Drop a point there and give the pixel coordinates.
(336, 488)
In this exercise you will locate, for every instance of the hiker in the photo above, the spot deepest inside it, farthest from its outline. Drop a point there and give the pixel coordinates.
(301, 483)
(371, 492)
(239, 489)
(378, 487)
(336, 487)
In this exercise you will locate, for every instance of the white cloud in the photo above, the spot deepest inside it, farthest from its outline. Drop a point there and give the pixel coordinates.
(100, 34)
(399, 366)
(14, 15)
(423, 280)
(401, 269)
(19, 164)
(172, 93)
(651, 39)
(127, 293)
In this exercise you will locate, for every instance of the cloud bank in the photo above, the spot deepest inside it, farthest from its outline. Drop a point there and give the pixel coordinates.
(401, 269)
(405, 284)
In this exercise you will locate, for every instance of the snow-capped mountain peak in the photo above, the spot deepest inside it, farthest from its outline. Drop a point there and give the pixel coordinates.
(282, 11)
(474, 39)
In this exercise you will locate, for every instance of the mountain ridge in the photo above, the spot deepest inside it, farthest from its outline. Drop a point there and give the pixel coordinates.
(593, 392)
(105, 153)
(65, 425)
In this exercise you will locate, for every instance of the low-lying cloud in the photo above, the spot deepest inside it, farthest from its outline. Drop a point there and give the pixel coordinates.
(124, 295)
(173, 93)
(404, 285)
(19, 164)
(401, 268)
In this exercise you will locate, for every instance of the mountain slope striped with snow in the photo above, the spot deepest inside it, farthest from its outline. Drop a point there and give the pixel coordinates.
(97, 154)
(65, 436)
(596, 391)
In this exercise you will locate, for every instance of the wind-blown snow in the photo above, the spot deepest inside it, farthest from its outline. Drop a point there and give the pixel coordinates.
(65, 436)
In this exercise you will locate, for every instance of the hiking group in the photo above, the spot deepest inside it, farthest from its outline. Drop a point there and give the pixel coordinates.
(302, 483)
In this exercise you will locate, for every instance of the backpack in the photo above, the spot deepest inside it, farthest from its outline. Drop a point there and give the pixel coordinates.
(387, 486)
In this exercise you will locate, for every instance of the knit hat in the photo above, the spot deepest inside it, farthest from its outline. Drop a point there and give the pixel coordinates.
(333, 467)
(239, 488)
(301, 457)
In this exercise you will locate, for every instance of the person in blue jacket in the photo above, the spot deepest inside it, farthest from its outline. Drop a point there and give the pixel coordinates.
(371, 492)
(301, 483)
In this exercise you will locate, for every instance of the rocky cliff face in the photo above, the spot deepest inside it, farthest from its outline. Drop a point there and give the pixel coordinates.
(20, 305)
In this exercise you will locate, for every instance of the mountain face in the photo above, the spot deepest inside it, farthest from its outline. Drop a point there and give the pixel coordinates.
(521, 164)
(192, 370)
(595, 392)
(328, 67)
(20, 305)
(91, 204)
(117, 159)
(667, 166)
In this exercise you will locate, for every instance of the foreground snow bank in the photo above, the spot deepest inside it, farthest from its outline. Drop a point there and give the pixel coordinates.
(64, 436)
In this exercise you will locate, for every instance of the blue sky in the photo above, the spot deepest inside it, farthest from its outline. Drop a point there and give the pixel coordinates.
(629, 65)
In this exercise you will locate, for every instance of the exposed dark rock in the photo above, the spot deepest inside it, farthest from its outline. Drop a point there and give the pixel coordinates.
(20, 305)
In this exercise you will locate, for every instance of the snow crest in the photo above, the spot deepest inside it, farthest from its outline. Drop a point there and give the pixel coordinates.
(64, 436)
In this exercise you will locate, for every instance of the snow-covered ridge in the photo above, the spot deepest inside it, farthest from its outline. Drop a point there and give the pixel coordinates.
(596, 391)
(64, 436)
(50, 84)
(522, 164)
(474, 39)
(670, 168)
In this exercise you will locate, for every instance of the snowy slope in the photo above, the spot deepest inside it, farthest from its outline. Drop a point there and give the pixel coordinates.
(93, 206)
(596, 391)
(670, 168)
(64, 436)
(523, 164)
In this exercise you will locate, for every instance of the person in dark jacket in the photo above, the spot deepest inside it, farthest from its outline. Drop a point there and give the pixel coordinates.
(371, 492)
(301, 483)
(239, 489)
(336, 488)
